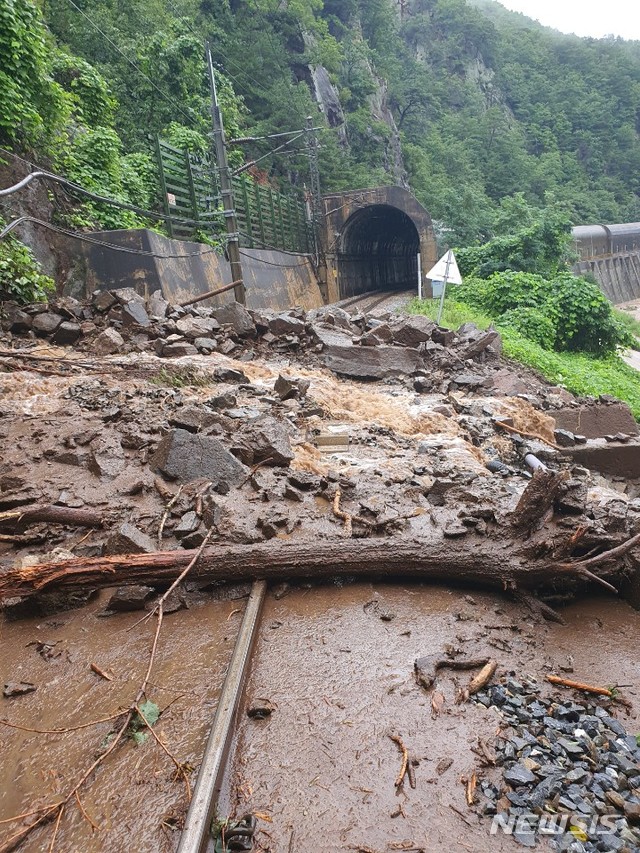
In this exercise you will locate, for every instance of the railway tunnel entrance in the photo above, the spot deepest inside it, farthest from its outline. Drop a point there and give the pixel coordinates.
(372, 239)
(378, 251)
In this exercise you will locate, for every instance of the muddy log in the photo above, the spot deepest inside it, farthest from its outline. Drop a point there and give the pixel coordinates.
(52, 514)
(501, 564)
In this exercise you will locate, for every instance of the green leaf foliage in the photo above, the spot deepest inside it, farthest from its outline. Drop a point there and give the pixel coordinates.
(580, 373)
(149, 714)
(21, 278)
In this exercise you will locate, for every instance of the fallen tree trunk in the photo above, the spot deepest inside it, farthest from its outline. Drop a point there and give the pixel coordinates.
(500, 564)
(53, 515)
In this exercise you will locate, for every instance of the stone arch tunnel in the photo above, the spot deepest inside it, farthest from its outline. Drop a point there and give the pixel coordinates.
(371, 240)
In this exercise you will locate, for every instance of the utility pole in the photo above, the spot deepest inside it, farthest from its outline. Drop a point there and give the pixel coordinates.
(316, 196)
(226, 186)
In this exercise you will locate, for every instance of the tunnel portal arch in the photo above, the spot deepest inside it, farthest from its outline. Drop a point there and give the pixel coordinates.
(372, 239)
(378, 250)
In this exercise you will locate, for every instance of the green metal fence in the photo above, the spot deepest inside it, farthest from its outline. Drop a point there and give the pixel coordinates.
(267, 218)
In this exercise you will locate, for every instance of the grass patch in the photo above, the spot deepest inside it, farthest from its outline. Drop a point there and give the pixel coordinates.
(182, 377)
(577, 372)
(630, 323)
(453, 315)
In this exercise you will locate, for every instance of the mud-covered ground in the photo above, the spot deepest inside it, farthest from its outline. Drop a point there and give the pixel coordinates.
(408, 455)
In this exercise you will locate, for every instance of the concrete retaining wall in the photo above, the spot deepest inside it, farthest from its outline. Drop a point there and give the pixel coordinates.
(274, 280)
(617, 275)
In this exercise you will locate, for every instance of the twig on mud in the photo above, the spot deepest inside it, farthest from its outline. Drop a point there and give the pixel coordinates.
(470, 784)
(56, 828)
(167, 510)
(579, 685)
(179, 766)
(86, 816)
(95, 668)
(254, 469)
(21, 816)
(460, 814)
(159, 605)
(63, 731)
(483, 677)
(49, 812)
(343, 516)
(531, 435)
(405, 758)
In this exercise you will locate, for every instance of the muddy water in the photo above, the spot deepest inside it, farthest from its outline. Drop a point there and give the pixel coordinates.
(322, 768)
(134, 793)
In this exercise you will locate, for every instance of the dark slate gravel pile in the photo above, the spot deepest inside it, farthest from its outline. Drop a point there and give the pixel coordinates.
(572, 761)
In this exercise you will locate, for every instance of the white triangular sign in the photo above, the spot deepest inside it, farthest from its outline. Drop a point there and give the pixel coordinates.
(446, 268)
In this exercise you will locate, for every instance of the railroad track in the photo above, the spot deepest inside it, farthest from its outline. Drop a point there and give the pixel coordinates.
(367, 302)
(196, 834)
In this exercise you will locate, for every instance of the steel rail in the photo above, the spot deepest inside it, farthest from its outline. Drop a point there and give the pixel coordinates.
(197, 828)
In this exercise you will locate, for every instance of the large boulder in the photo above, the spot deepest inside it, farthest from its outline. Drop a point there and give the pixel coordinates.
(268, 441)
(108, 342)
(380, 362)
(411, 330)
(184, 457)
(236, 316)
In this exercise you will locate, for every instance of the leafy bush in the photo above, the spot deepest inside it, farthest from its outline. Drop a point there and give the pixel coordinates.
(539, 248)
(92, 101)
(503, 291)
(585, 319)
(531, 323)
(577, 372)
(580, 315)
(20, 274)
(33, 107)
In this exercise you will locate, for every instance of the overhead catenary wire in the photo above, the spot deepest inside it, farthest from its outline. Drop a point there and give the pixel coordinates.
(87, 238)
(268, 154)
(45, 175)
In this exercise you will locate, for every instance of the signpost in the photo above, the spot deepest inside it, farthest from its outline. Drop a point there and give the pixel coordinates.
(446, 270)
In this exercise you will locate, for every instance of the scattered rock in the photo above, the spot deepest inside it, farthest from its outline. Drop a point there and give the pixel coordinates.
(230, 376)
(67, 333)
(184, 457)
(129, 598)
(108, 342)
(288, 389)
(18, 688)
(135, 314)
(260, 709)
(236, 316)
(412, 330)
(269, 441)
(178, 349)
(127, 539)
(45, 324)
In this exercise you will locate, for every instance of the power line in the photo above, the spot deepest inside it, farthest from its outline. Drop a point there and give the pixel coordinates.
(87, 238)
(167, 98)
(51, 176)
(306, 263)
(268, 154)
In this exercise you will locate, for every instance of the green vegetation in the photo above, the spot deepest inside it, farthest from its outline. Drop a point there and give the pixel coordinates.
(630, 324)
(485, 111)
(579, 373)
(20, 275)
(557, 323)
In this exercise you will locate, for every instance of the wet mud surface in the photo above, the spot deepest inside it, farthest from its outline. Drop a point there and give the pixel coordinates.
(134, 798)
(322, 767)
